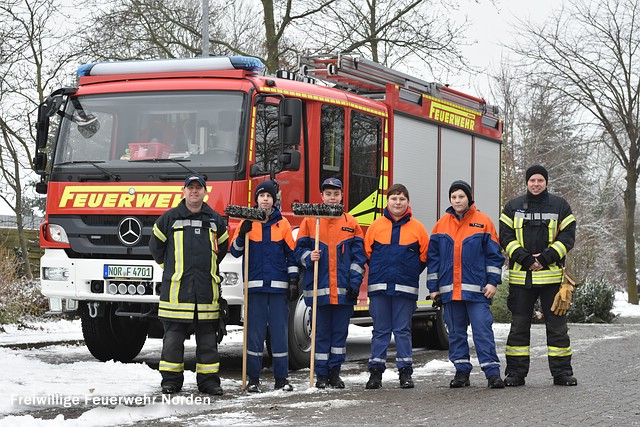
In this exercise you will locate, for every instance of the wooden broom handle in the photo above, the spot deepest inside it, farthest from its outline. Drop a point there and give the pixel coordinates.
(246, 312)
(314, 306)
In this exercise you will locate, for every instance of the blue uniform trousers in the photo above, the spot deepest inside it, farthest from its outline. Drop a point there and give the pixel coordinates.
(268, 310)
(391, 314)
(332, 328)
(458, 315)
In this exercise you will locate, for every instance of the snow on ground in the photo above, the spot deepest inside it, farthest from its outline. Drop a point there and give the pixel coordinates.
(622, 308)
(28, 383)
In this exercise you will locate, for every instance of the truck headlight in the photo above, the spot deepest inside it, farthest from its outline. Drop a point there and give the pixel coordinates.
(57, 233)
(230, 279)
(59, 274)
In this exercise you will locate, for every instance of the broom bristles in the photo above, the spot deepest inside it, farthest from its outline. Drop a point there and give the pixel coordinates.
(244, 212)
(317, 210)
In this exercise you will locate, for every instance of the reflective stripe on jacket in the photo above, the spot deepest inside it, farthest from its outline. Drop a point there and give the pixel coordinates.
(190, 247)
(342, 258)
(464, 255)
(397, 252)
(271, 260)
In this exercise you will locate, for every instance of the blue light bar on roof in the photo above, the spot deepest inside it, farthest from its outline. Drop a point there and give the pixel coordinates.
(172, 65)
(246, 63)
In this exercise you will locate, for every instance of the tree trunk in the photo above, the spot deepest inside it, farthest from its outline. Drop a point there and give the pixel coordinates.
(629, 231)
(24, 248)
(271, 38)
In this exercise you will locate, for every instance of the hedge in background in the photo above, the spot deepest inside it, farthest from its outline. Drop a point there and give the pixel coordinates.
(592, 303)
(501, 313)
(19, 298)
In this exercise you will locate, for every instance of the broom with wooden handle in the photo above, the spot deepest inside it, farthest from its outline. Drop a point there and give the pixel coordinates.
(255, 215)
(316, 211)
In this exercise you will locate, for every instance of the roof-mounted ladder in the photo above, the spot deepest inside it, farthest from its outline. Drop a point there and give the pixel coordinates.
(366, 77)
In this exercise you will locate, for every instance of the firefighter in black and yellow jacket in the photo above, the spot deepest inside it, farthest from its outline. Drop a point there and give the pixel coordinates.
(536, 231)
(189, 241)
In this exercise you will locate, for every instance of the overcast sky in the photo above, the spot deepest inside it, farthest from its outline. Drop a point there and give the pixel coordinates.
(491, 26)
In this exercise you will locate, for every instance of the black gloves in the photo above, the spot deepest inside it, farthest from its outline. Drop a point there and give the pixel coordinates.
(293, 292)
(437, 301)
(352, 294)
(224, 318)
(245, 228)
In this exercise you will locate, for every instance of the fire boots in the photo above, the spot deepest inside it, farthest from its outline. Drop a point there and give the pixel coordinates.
(460, 380)
(334, 378)
(375, 378)
(405, 377)
(283, 384)
(568, 380)
(513, 380)
(495, 382)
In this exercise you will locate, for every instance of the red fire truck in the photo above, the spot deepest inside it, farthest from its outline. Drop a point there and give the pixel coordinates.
(116, 154)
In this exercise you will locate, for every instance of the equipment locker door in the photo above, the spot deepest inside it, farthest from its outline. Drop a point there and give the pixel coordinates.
(415, 164)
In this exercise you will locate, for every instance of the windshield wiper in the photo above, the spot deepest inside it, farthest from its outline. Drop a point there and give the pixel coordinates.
(110, 174)
(176, 161)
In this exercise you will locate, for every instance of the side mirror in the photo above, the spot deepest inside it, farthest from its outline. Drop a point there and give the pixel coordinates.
(290, 115)
(41, 187)
(40, 162)
(256, 170)
(46, 110)
(290, 160)
(42, 126)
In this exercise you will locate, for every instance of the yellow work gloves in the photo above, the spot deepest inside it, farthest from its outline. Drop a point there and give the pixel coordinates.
(562, 300)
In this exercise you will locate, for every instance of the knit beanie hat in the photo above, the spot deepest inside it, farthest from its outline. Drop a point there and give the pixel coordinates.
(267, 187)
(461, 185)
(537, 169)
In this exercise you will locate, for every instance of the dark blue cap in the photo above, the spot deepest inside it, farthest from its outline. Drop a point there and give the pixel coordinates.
(331, 182)
(198, 178)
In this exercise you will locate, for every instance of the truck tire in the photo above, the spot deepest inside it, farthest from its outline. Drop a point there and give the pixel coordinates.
(111, 337)
(430, 332)
(299, 334)
(438, 334)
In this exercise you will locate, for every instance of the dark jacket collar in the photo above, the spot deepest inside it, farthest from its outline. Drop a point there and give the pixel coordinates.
(405, 218)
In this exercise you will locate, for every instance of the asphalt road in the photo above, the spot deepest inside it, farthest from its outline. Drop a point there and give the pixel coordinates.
(605, 362)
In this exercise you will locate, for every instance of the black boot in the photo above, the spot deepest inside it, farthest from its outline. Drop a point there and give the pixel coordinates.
(170, 389)
(334, 378)
(375, 378)
(460, 380)
(513, 380)
(283, 384)
(254, 385)
(321, 381)
(405, 377)
(211, 385)
(567, 380)
(495, 382)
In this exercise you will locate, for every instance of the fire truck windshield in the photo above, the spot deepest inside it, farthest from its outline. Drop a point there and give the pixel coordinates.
(123, 131)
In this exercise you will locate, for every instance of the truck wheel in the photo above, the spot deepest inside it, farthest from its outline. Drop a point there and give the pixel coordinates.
(438, 334)
(111, 337)
(299, 334)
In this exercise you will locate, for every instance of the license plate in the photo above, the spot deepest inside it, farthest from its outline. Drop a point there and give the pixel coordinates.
(128, 271)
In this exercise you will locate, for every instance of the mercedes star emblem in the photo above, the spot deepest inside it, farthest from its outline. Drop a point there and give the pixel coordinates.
(130, 231)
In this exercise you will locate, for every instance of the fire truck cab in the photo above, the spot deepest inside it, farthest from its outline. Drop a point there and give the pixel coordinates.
(124, 138)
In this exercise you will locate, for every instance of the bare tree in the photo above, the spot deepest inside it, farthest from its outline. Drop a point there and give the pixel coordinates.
(394, 32)
(389, 32)
(31, 60)
(589, 53)
(141, 29)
